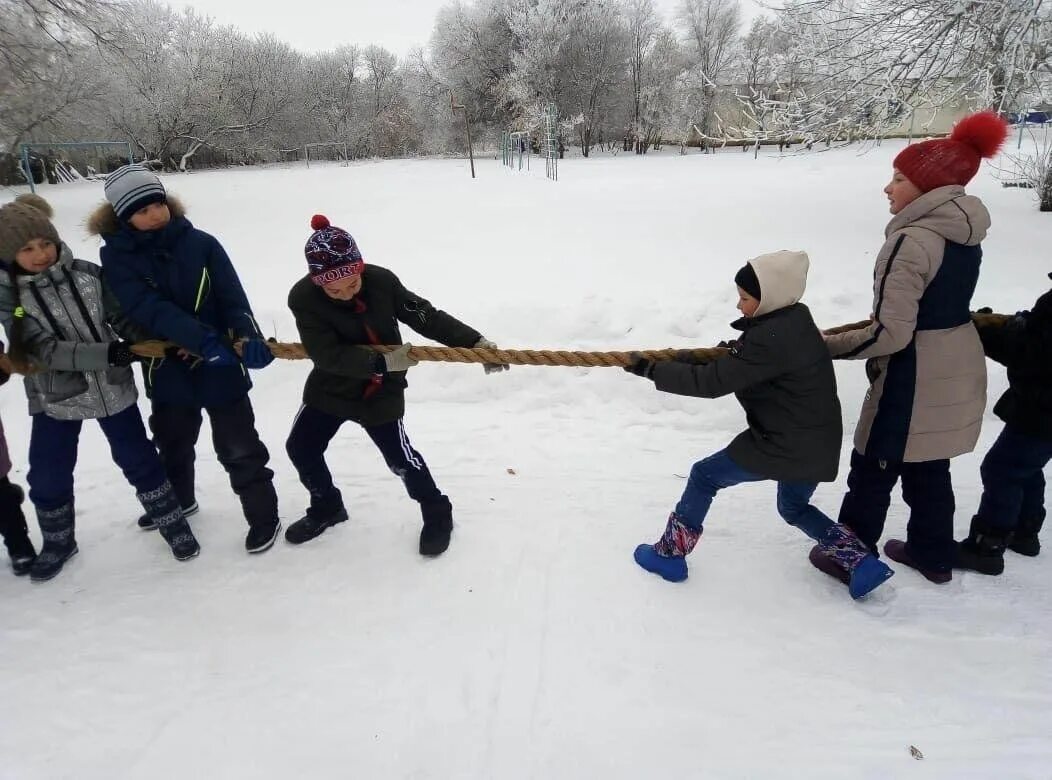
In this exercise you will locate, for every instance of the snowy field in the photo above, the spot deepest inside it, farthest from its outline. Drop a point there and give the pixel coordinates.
(535, 648)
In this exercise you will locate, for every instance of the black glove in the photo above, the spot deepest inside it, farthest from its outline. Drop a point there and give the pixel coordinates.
(119, 354)
(640, 366)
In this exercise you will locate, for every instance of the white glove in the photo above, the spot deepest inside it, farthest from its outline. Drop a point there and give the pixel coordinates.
(491, 368)
(399, 359)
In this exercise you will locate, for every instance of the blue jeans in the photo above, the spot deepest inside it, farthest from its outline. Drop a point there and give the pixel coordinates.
(53, 456)
(1013, 480)
(719, 471)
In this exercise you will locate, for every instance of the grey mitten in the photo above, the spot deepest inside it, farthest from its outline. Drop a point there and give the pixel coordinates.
(490, 368)
(400, 359)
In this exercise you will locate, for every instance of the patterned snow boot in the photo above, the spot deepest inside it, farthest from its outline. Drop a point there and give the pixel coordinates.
(56, 527)
(13, 528)
(667, 557)
(146, 521)
(163, 508)
(842, 555)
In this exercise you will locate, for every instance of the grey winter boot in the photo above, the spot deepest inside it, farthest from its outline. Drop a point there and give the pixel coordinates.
(56, 527)
(163, 508)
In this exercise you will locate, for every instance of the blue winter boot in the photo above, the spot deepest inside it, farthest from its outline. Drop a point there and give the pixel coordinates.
(56, 526)
(844, 550)
(667, 557)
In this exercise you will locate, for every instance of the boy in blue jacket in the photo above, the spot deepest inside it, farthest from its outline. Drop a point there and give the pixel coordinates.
(177, 283)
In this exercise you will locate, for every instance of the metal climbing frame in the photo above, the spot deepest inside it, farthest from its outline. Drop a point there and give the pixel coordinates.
(551, 142)
(25, 148)
(514, 147)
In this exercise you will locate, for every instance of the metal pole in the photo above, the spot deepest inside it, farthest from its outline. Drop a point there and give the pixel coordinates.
(131, 161)
(471, 152)
(453, 108)
(25, 167)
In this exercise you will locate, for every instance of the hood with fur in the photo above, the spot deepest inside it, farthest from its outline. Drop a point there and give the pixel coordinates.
(103, 221)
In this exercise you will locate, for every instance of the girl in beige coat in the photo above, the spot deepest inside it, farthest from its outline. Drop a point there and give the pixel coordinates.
(923, 356)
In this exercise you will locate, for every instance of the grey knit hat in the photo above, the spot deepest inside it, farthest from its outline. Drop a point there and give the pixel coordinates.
(132, 187)
(25, 218)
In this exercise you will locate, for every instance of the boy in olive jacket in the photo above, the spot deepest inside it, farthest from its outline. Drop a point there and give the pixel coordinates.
(340, 307)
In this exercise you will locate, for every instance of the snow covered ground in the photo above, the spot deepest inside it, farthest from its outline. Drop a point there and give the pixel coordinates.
(535, 648)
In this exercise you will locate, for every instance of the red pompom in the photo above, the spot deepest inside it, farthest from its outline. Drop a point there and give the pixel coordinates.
(984, 132)
(319, 222)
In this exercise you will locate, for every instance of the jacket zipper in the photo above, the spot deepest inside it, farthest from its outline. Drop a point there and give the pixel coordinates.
(80, 338)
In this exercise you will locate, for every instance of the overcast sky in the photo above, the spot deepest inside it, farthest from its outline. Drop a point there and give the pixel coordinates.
(317, 25)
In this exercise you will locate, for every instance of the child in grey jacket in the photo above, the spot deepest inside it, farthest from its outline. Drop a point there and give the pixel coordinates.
(61, 333)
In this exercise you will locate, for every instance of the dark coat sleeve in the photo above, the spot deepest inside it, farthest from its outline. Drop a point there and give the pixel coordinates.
(1002, 343)
(432, 323)
(122, 326)
(757, 360)
(226, 286)
(325, 348)
(141, 303)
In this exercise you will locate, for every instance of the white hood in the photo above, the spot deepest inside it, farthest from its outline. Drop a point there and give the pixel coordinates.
(782, 277)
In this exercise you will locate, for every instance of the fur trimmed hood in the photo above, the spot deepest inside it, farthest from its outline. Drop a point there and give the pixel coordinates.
(103, 220)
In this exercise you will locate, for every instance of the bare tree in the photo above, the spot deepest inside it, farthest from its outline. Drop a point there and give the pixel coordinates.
(711, 30)
(333, 92)
(644, 26)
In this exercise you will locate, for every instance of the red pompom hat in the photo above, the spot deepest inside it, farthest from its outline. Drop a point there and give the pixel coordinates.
(954, 160)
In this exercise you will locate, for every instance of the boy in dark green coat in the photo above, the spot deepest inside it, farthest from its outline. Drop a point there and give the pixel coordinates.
(341, 306)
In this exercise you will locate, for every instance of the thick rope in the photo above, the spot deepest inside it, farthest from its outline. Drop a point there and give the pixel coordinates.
(980, 320)
(513, 357)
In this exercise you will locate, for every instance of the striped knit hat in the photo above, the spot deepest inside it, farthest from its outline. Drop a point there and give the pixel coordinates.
(132, 187)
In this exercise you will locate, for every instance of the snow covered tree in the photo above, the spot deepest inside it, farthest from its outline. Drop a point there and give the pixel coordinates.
(47, 74)
(181, 83)
(874, 61)
(644, 26)
(333, 89)
(471, 53)
(710, 28)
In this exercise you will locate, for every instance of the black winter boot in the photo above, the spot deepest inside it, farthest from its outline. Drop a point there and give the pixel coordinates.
(13, 528)
(163, 508)
(261, 536)
(438, 526)
(1024, 539)
(313, 524)
(56, 526)
(984, 549)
